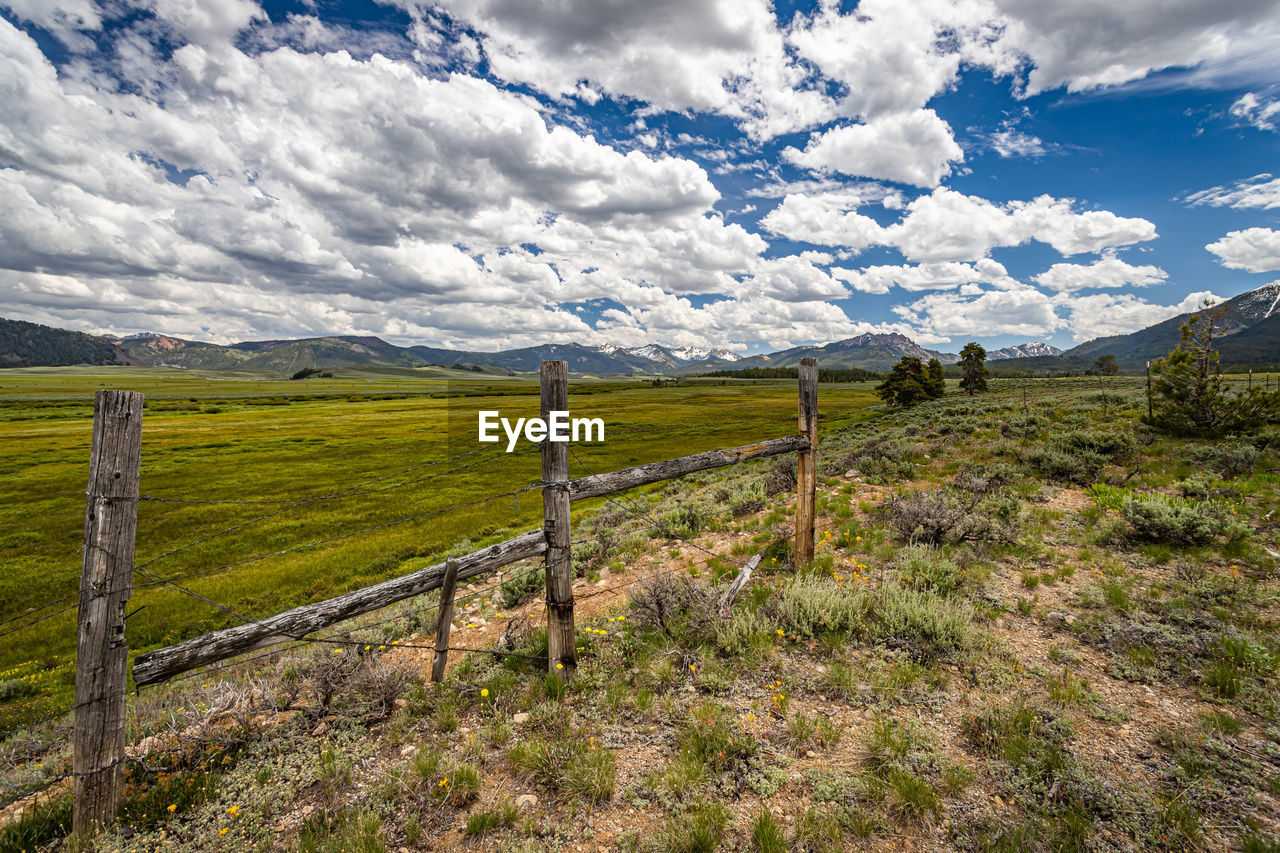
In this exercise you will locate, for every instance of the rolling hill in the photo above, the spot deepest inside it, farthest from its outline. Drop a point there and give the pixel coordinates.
(24, 344)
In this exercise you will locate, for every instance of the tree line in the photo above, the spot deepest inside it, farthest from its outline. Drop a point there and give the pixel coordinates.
(825, 374)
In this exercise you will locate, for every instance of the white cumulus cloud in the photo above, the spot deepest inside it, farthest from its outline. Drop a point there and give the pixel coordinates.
(911, 148)
(1107, 272)
(1253, 249)
(1104, 314)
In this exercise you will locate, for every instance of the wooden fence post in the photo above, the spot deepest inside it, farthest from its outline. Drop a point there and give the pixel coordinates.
(444, 620)
(106, 582)
(562, 654)
(806, 481)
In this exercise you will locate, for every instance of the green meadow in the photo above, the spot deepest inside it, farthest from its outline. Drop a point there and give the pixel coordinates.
(237, 466)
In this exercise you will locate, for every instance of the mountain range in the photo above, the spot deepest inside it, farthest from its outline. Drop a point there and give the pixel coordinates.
(1251, 335)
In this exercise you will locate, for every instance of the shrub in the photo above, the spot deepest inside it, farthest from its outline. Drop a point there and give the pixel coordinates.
(523, 586)
(1229, 460)
(15, 688)
(812, 604)
(781, 476)
(675, 604)
(1172, 521)
(951, 515)
(929, 625)
(926, 568)
(1078, 456)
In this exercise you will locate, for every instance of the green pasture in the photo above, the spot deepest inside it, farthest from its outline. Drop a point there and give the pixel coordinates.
(364, 434)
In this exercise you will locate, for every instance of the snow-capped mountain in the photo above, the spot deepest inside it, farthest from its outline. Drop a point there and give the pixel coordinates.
(1031, 350)
(1258, 304)
(680, 356)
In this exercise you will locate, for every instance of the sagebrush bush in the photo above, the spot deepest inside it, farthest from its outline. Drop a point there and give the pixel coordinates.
(523, 585)
(1170, 521)
(927, 568)
(929, 625)
(1228, 459)
(951, 515)
(812, 604)
(675, 604)
(781, 476)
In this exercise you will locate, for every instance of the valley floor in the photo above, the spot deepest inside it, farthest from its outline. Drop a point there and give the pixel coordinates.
(1031, 624)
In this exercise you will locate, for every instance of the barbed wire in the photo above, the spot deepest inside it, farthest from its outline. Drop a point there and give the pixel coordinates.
(644, 514)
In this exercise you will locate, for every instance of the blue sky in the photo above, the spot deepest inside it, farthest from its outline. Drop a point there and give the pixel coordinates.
(498, 173)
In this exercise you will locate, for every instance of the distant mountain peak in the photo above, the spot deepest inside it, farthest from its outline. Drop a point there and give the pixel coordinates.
(1259, 304)
(1030, 350)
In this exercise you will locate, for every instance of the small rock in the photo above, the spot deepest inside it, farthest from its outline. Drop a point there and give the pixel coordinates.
(401, 702)
(526, 801)
(999, 802)
(520, 718)
(320, 729)
(851, 474)
(409, 750)
(809, 753)
(601, 582)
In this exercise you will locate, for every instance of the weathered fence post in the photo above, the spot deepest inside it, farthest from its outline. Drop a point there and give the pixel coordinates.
(561, 649)
(444, 620)
(106, 582)
(807, 463)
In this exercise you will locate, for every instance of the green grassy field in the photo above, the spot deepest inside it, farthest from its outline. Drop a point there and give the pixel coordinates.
(366, 435)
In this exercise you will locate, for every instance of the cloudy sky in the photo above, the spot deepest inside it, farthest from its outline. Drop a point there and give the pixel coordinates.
(496, 173)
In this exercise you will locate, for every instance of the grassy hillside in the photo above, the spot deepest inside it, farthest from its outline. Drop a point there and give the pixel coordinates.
(1030, 625)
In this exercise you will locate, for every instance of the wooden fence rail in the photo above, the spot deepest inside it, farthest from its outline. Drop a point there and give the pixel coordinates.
(99, 747)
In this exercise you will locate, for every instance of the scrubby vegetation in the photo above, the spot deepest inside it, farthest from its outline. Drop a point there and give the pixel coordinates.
(1033, 622)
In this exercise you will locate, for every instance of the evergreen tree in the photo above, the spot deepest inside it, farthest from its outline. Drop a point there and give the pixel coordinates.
(935, 383)
(973, 364)
(905, 384)
(1188, 394)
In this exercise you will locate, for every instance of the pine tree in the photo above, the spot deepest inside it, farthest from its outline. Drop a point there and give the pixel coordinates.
(935, 383)
(905, 384)
(1188, 394)
(973, 364)
(1106, 365)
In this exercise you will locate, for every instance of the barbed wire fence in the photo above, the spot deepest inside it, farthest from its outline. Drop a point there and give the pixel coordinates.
(380, 485)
